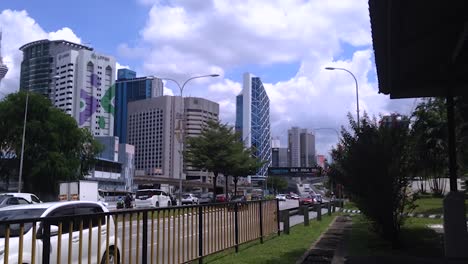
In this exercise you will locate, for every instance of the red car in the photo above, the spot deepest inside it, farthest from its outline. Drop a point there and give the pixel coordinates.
(306, 199)
(221, 198)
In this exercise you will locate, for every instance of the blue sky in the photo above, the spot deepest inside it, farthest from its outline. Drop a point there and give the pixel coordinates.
(286, 43)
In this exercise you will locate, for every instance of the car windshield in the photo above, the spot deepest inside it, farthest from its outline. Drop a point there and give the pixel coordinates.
(4, 197)
(185, 196)
(237, 197)
(205, 195)
(305, 196)
(147, 193)
(17, 215)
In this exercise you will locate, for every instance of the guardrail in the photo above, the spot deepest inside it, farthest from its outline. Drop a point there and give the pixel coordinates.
(157, 235)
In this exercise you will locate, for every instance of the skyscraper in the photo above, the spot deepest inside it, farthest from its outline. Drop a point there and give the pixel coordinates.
(301, 146)
(129, 88)
(198, 111)
(154, 131)
(76, 79)
(253, 120)
(85, 89)
(38, 65)
(3, 67)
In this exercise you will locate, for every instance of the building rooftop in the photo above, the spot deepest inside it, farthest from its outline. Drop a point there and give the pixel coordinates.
(55, 41)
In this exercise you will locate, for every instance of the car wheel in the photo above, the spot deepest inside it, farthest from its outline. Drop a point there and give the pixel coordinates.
(168, 204)
(157, 204)
(112, 260)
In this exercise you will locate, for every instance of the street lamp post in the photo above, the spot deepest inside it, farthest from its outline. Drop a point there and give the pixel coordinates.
(181, 140)
(20, 175)
(357, 90)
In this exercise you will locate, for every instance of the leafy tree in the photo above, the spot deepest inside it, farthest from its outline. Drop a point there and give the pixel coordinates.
(241, 162)
(372, 164)
(54, 145)
(277, 183)
(429, 157)
(211, 149)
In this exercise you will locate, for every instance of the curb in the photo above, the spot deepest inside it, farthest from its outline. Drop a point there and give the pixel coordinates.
(431, 216)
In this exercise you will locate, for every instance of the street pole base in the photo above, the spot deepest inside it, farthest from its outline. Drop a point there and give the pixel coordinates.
(455, 232)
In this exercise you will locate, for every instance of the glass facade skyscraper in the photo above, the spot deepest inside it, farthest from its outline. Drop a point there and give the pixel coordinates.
(39, 63)
(129, 88)
(253, 121)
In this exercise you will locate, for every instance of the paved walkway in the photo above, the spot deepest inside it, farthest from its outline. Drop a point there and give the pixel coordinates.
(331, 247)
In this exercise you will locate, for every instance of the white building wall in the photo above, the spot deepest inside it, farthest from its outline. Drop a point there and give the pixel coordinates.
(247, 110)
(95, 92)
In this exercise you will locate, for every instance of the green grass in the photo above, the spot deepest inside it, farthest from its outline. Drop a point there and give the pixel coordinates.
(282, 249)
(350, 205)
(416, 239)
(431, 205)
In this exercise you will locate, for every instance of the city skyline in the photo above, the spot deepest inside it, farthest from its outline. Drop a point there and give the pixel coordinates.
(289, 57)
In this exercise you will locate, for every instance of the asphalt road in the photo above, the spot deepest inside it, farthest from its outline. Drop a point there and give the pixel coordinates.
(175, 238)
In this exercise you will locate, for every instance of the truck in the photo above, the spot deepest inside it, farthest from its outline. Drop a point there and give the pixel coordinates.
(79, 190)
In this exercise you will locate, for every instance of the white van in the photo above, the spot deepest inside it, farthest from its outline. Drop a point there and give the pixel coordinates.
(152, 198)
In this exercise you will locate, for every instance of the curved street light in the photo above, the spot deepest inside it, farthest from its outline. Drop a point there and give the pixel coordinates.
(181, 88)
(357, 92)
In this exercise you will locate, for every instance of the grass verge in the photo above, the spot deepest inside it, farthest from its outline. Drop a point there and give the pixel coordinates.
(282, 249)
(417, 239)
(431, 205)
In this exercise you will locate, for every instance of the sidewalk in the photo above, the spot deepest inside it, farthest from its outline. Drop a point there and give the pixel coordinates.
(331, 247)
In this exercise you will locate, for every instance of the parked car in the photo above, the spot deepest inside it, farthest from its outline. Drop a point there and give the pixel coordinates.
(31, 198)
(189, 198)
(221, 198)
(294, 196)
(152, 198)
(240, 200)
(206, 198)
(306, 199)
(281, 197)
(9, 200)
(60, 209)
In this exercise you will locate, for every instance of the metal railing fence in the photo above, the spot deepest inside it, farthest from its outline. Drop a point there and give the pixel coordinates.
(157, 235)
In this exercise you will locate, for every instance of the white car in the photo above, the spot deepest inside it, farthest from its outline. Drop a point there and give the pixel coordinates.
(281, 197)
(189, 198)
(152, 198)
(27, 196)
(59, 209)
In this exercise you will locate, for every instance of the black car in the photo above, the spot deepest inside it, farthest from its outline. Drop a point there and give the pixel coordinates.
(240, 200)
(173, 199)
(206, 198)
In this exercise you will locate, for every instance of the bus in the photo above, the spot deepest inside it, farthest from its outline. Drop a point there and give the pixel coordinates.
(112, 195)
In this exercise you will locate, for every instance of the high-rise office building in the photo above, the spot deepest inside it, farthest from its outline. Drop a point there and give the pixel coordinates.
(129, 88)
(39, 63)
(253, 120)
(77, 80)
(198, 111)
(279, 155)
(301, 146)
(85, 89)
(3, 67)
(154, 130)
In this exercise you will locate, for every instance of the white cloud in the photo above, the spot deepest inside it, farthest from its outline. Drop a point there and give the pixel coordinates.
(184, 38)
(64, 33)
(18, 29)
